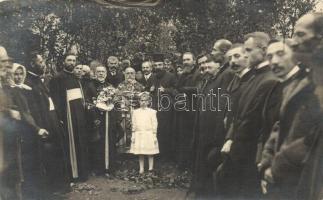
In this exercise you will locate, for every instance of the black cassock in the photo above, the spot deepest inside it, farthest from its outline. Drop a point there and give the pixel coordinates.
(103, 143)
(163, 103)
(53, 153)
(68, 98)
(185, 118)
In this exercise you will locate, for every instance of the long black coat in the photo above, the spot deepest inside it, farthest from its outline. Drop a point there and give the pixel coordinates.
(39, 103)
(209, 131)
(164, 116)
(97, 146)
(185, 117)
(245, 130)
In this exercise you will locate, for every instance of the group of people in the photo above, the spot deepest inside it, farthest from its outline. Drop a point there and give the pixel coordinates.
(244, 118)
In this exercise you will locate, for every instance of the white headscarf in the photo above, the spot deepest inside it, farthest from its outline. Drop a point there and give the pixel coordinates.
(21, 85)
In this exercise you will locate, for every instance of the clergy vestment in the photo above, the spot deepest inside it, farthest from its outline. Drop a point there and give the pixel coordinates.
(68, 98)
(163, 102)
(127, 98)
(187, 87)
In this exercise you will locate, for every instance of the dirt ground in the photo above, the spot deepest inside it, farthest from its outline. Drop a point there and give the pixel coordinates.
(165, 183)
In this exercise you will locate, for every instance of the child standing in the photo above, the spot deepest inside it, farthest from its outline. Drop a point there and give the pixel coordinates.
(144, 132)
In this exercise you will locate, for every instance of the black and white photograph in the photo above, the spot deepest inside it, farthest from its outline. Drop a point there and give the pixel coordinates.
(161, 99)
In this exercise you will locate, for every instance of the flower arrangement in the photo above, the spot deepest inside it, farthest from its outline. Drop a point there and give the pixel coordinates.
(105, 99)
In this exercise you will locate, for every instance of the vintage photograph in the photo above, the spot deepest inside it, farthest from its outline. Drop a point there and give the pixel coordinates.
(161, 99)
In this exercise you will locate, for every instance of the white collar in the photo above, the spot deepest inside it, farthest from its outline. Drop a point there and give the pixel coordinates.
(244, 71)
(291, 72)
(147, 76)
(263, 64)
(22, 86)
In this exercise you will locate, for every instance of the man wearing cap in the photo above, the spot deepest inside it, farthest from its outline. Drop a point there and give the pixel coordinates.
(115, 75)
(163, 90)
(67, 94)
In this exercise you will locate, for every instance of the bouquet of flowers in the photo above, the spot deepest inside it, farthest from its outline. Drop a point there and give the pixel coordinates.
(105, 99)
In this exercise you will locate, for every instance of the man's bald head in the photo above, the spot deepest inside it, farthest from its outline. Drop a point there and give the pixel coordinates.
(5, 62)
(222, 46)
(130, 74)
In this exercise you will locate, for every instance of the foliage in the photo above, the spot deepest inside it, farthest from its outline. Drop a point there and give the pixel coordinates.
(54, 27)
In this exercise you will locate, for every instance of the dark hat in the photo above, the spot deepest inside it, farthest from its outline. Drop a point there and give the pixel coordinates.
(158, 57)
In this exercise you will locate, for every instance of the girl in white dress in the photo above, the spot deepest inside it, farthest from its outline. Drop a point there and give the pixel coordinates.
(144, 132)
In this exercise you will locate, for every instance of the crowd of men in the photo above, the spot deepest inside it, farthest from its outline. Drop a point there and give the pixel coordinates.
(246, 118)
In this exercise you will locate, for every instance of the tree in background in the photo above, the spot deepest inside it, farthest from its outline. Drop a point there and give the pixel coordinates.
(95, 31)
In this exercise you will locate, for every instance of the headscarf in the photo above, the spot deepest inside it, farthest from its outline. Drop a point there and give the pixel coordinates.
(21, 85)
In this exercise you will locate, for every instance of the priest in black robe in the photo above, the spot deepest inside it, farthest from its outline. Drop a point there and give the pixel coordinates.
(163, 91)
(67, 94)
(187, 87)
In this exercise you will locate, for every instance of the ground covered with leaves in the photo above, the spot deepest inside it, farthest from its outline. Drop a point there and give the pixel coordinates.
(165, 182)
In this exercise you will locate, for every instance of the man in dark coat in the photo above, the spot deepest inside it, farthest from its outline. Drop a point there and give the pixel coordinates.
(115, 75)
(53, 155)
(148, 76)
(163, 91)
(185, 113)
(245, 129)
(68, 98)
(105, 124)
(209, 131)
(299, 113)
(224, 179)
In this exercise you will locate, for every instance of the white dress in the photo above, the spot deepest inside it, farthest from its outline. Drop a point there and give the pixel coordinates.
(144, 132)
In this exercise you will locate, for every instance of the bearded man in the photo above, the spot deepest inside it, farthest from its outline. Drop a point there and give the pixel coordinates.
(163, 91)
(185, 113)
(68, 97)
(44, 112)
